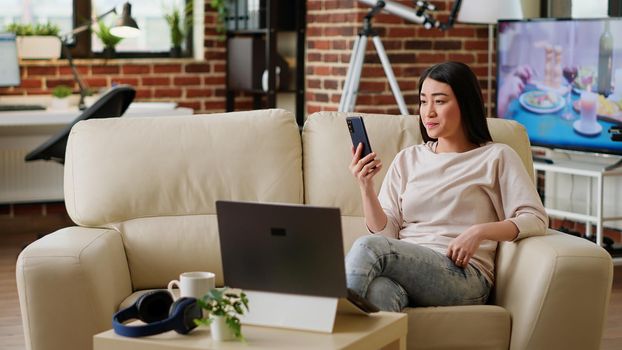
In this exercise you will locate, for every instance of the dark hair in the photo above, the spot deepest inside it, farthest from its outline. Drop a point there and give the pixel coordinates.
(465, 86)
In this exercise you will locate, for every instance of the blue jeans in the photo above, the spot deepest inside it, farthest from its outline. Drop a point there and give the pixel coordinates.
(394, 274)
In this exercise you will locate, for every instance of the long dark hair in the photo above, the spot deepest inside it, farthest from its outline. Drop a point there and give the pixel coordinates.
(463, 83)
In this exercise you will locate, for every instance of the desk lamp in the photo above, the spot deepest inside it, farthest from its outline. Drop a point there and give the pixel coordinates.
(124, 27)
(489, 12)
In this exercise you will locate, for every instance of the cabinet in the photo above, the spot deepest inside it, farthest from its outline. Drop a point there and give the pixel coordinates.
(266, 54)
(594, 172)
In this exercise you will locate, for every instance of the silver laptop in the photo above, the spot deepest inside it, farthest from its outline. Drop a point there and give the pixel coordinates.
(284, 248)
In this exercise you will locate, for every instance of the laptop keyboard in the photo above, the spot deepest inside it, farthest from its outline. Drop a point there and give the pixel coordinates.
(21, 107)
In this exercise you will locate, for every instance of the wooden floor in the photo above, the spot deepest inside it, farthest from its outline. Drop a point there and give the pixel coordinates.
(11, 332)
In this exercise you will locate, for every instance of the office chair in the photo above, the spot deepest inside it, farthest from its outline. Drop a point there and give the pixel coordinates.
(112, 104)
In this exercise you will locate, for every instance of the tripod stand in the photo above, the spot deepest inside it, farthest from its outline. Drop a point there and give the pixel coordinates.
(353, 77)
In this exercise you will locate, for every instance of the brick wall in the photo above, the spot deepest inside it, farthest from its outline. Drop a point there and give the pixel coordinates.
(196, 84)
(332, 28)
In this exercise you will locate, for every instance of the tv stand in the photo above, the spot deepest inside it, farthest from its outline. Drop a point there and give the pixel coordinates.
(594, 172)
(614, 165)
(540, 159)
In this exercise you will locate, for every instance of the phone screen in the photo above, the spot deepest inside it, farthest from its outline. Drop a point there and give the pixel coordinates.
(356, 126)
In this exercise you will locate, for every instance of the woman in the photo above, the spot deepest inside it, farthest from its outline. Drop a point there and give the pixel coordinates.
(443, 206)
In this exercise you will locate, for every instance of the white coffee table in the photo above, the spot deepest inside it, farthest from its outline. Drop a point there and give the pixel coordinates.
(386, 330)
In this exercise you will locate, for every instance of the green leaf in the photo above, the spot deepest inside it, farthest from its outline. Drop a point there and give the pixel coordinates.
(103, 33)
(219, 302)
(61, 91)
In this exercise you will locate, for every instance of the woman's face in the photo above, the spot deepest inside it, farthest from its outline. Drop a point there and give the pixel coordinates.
(439, 109)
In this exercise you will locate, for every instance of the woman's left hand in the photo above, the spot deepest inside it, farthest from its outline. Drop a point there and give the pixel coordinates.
(462, 248)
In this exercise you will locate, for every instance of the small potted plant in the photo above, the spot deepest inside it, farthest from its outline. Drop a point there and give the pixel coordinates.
(36, 42)
(60, 98)
(223, 307)
(180, 24)
(108, 40)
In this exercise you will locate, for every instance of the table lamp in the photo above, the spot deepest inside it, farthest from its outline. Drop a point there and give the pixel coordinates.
(489, 12)
(124, 27)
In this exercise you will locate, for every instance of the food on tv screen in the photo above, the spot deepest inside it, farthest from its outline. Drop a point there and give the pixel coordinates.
(562, 79)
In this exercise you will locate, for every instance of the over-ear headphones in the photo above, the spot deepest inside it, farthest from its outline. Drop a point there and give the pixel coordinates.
(160, 313)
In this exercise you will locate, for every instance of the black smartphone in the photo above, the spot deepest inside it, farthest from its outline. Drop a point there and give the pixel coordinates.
(356, 126)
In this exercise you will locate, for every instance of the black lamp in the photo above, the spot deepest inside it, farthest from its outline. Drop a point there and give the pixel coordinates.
(124, 27)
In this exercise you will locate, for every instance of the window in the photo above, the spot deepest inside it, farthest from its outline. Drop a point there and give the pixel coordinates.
(153, 41)
(59, 12)
(149, 15)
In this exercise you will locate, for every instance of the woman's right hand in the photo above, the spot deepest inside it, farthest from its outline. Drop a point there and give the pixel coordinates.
(364, 169)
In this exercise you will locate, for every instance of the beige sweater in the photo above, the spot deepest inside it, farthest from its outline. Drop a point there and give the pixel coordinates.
(431, 198)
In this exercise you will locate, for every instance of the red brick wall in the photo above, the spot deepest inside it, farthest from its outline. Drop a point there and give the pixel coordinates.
(196, 84)
(332, 26)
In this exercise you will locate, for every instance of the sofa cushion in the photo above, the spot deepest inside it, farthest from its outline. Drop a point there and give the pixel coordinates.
(474, 327)
(327, 153)
(120, 169)
(156, 181)
(154, 246)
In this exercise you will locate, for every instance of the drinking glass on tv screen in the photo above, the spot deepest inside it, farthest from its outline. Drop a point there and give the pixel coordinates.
(562, 79)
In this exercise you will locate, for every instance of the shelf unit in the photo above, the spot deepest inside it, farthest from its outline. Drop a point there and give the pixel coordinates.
(594, 172)
(264, 52)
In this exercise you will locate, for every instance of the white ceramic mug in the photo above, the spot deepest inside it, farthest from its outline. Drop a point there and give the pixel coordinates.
(193, 284)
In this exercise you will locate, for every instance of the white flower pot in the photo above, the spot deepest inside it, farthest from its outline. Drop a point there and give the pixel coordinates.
(90, 100)
(220, 330)
(38, 47)
(59, 103)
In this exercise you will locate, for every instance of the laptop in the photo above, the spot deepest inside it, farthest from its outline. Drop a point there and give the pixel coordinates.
(285, 248)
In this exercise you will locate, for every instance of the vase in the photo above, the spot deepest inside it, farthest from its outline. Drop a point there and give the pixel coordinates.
(38, 47)
(109, 52)
(176, 51)
(59, 103)
(220, 330)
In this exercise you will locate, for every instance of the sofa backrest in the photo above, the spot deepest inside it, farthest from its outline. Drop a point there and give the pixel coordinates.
(327, 154)
(156, 180)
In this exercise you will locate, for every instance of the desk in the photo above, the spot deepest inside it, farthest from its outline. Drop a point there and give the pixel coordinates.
(351, 332)
(23, 131)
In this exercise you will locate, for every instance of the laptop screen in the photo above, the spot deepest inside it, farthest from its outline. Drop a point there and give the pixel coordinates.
(294, 249)
(9, 63)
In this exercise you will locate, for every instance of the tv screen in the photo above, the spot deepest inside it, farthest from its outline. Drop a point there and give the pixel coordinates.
(562, 79)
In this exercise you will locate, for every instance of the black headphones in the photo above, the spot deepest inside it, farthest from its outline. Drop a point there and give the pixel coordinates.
(157, 309)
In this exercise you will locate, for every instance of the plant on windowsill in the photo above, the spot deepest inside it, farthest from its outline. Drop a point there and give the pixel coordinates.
(108, 40)
(221, 17)
(223, 306)
(180, 24)
(60, 98)
(39, 41)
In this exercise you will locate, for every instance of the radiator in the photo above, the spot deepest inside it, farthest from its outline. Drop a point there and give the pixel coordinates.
(38, 181)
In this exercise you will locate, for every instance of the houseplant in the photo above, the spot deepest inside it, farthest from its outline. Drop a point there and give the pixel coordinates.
(109, 40)
(39, 41)
(180, 25)
(60, 98)
(223, 306)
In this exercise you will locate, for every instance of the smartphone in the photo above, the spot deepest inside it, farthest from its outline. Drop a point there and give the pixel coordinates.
(356, 126)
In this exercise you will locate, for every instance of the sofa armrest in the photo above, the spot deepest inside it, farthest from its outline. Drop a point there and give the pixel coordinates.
(556, 288)
(70, 282)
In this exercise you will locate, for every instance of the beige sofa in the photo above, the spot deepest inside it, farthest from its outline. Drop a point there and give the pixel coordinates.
(141, 192)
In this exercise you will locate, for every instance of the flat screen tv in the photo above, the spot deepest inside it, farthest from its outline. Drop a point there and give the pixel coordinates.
(562, 80)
